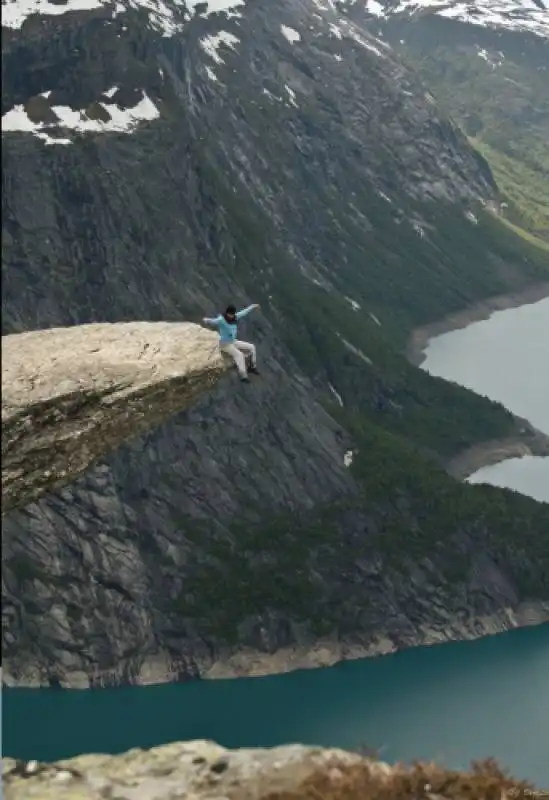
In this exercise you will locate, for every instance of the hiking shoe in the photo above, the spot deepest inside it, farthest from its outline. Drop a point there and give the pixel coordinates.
(245, 379)
(254, 370)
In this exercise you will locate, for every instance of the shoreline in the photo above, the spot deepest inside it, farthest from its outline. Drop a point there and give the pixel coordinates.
(494, 451)
(419, 338)
(530, 441)
(246, 663)
(329, 653)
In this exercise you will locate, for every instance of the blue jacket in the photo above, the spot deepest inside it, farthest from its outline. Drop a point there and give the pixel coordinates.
(227, 330)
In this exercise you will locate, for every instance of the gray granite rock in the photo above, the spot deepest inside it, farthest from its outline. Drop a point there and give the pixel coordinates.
(202, 770)
(72, 395)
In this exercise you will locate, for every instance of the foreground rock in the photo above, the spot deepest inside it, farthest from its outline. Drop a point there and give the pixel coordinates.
(71, 395)
(202, 770)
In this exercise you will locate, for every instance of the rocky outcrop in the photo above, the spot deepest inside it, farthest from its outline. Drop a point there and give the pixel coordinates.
(71, 395)
(201, 770)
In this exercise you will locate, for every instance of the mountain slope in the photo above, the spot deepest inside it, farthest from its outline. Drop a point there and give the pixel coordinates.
(523, 16)
(488, 65)
(293, 159)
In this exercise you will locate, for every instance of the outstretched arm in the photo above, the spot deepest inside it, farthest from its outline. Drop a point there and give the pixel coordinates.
(246, 311)
(214, 321)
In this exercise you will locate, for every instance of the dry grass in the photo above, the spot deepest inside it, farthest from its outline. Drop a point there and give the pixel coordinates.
(485, 781)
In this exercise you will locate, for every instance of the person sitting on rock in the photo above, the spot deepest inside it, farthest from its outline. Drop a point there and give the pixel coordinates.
(239, 351)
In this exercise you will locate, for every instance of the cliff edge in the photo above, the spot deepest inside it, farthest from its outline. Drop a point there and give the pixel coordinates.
(202, 770)
(71, 395)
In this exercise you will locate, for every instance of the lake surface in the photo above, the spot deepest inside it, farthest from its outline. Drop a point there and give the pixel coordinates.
(453, 702)
(505, 358)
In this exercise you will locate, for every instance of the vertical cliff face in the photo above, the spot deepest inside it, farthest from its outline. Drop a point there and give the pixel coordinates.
(160, 161)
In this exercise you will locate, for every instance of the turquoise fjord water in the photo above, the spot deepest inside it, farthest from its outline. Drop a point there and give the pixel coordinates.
(506, 358)
(452, 702)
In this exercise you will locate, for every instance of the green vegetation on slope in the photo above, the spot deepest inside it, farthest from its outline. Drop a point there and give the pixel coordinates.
(409, 512)
(494, 84)
(526, 189)
(400, 419)
(399, 284)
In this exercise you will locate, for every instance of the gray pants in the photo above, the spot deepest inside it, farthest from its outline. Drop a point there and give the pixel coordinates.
(238, 351)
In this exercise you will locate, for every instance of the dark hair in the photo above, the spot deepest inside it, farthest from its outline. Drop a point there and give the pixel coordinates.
(230, 311)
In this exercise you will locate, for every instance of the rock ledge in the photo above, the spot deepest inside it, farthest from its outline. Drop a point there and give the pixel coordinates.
(71, 395)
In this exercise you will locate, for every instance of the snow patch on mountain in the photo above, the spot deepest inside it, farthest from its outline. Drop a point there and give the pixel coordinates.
(290, 33)
(491, 58)
(369, 45)
(346, 29)
(166, 17)
(211, 75)
(119, 119)
(520, 15)
(291, 95)
(523, 16)
(336, 394)
(15, 12)
(355, 350)
(161, 15)
(211, 44)
(215, 6)
(353, 303)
